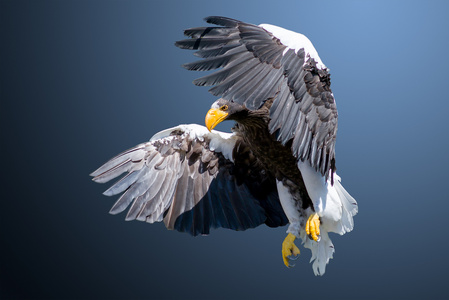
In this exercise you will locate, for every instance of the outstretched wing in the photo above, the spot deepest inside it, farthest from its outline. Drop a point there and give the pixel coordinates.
(193, 180)
(263, 62)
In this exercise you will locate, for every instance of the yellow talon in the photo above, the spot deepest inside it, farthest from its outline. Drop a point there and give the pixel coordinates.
(289, 250)
(313, 227)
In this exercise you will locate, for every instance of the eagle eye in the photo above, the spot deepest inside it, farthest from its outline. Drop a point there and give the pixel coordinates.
(224, 107)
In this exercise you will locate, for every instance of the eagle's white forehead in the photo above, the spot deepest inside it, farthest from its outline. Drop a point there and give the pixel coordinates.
(215, 104)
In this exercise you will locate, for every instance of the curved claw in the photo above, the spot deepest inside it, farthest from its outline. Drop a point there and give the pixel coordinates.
(293, 257)
(289, 251)
(313, 227)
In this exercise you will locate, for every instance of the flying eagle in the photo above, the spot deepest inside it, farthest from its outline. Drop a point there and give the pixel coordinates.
(277, 167)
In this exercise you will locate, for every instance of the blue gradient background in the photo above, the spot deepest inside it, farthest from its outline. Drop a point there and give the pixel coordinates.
(83, 80)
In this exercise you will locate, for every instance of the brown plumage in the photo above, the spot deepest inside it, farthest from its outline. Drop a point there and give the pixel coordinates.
(276, 158)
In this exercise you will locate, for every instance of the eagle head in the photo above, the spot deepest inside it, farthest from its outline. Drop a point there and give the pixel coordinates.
(224, 110)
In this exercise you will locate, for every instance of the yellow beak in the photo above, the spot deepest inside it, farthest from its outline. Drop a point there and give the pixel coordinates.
(213, 117)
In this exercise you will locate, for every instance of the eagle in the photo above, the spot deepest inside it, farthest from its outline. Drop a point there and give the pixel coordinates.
(276, 167)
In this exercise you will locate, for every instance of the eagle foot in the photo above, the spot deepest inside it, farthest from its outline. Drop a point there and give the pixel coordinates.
(289, 251)
(313, 227)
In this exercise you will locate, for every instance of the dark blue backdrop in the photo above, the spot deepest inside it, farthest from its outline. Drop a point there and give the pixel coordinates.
(84, 80)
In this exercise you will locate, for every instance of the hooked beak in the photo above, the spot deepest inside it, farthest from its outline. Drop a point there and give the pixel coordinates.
(213, 117)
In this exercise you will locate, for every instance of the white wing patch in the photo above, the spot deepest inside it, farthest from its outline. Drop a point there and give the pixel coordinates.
(294, 41)
(219, 141)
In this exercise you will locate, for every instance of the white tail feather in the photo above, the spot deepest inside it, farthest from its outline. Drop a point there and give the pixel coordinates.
(322, 251)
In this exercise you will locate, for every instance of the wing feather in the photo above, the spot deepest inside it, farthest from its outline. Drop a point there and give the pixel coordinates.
(187, 177)
(210, 31)
(237, 74)
(278, 62)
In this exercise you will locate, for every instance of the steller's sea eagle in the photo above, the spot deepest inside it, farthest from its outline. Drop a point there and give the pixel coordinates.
(276, 167)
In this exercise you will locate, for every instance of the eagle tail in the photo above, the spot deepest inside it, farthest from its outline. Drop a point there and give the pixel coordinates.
(322, 251)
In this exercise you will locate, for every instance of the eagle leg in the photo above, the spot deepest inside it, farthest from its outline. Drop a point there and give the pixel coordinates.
(313, 227)
(289, 250)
